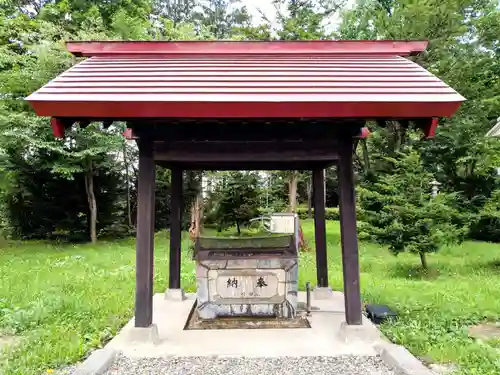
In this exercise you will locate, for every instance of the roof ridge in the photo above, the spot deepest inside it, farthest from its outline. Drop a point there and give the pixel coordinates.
(117, 48)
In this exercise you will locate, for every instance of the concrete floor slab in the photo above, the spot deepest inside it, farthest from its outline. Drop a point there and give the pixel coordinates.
(322, 339)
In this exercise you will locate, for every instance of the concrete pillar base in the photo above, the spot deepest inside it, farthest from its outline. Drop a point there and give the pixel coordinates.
(356, 333)
(144, 335)
(175, 295)
(322, 293)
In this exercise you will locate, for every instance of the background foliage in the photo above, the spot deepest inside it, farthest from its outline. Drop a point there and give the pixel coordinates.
(42, 185)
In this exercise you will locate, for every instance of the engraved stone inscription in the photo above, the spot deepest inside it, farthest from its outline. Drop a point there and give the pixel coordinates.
(232, 283)
(261, 282)
(236, 284)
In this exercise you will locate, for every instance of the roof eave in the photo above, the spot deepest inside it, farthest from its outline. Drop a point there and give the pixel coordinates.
(206, 110)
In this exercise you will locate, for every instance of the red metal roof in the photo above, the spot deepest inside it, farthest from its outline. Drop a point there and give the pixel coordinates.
(246, 79)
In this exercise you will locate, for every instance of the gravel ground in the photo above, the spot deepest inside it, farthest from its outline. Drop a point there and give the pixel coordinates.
(346, 365)
(68, 370)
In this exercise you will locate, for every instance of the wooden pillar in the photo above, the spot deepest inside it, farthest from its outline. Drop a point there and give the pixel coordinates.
(349, 238)
(145, 235)
(174, 279)
(320, 227)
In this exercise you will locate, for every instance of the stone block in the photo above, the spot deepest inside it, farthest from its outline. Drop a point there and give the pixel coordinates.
(207, 311)
(270, 263)
(201, 271)
(292, 298)
(292, 274)
(202, 289)
(242, 264)
(242, 286)
(288, 263)
(214, 264)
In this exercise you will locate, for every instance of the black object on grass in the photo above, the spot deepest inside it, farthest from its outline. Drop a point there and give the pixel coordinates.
(379, 313)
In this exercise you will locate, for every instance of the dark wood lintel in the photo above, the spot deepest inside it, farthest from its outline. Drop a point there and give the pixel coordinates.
(222, 151)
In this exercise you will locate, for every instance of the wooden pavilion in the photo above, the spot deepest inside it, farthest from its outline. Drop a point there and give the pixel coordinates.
(245, 105)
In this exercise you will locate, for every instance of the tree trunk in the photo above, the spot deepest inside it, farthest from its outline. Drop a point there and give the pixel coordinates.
(309, 198)
(292, 191)
(238, 228)
(366, 157)
(195, 228)
(400, 135)
(423, 260)
(127, 183)
(302, 241)
(89, 188)
(292, 197)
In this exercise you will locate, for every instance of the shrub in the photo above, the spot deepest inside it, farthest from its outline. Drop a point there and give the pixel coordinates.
(486, 227)
(331, 213)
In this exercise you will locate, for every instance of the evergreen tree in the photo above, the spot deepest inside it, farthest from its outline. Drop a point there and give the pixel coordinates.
(236, 198)
(464, 52)
(400, 212)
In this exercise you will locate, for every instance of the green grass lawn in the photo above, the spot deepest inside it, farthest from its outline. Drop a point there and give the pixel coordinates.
(61, 301)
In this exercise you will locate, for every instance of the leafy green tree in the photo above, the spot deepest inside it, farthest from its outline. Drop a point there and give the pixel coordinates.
(72, 13)
(31, 55)
(177, 11)
(130, 27)
(46, 193)
(28, 7)
(304, 19)
(250, 32)
(222, 16)
(84, 152)
(400, 212)
(166, 29)
(236, 197)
